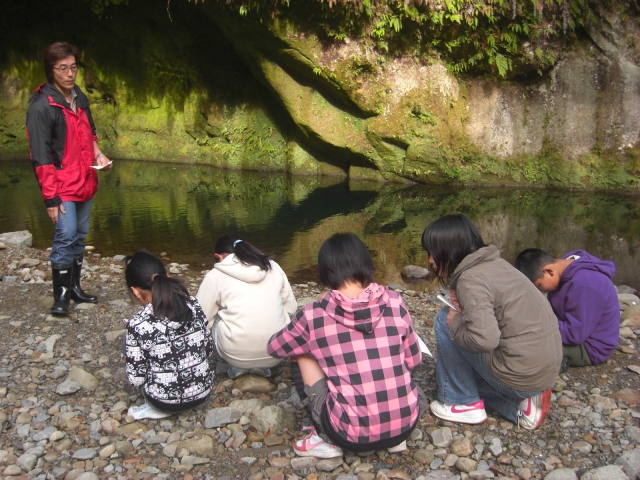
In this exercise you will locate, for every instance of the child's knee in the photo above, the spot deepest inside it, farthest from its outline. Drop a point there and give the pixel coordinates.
(317, 399)
(440, 322)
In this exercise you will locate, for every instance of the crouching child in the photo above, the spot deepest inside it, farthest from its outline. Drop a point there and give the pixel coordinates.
(352, 353)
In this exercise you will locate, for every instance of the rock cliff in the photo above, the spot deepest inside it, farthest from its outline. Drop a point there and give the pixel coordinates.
(208, 85)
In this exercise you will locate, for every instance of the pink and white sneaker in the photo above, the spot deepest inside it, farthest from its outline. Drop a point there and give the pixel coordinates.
(314, 446)
(533, 410)
(472, 413)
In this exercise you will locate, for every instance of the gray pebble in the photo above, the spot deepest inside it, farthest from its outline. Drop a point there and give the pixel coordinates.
(85, 454)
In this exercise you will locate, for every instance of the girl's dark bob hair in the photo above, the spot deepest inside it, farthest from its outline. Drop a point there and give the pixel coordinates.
(343, 258)
(450, 239)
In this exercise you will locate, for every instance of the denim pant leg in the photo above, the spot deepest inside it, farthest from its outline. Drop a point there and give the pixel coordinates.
(71, 230)
(455, 375)
(83, 217)
(65, 236)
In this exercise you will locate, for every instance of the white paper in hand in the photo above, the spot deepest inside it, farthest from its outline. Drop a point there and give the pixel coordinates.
(100, 167)
(423, 346)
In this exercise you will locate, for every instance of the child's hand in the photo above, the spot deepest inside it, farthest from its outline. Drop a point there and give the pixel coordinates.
(454, 300)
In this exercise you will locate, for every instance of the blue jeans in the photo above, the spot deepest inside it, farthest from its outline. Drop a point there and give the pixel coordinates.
(464, 377)
(71, 230)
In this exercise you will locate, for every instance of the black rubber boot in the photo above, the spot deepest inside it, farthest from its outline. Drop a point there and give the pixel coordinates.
(62, 276)
(77, 295)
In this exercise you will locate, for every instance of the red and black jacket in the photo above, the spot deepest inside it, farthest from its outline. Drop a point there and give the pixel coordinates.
(61, 146)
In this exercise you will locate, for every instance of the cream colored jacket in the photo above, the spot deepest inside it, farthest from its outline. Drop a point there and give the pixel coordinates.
(248, 305)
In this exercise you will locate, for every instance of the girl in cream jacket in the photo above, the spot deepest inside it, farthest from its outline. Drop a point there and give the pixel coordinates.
(246, 298)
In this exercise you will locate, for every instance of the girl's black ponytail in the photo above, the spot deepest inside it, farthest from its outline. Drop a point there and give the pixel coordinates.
(246, 253)
(169, 295)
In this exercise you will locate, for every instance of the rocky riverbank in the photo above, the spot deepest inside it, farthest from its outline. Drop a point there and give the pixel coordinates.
(64, 398)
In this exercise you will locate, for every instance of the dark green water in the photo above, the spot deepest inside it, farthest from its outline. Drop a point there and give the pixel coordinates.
(183, 209)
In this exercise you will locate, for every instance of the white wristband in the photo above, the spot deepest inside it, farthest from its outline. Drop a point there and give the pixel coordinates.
(99, 155)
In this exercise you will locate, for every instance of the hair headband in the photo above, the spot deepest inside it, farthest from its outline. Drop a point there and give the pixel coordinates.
(236, 242)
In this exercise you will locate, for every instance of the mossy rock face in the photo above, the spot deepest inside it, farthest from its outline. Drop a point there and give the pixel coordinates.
(210, 86)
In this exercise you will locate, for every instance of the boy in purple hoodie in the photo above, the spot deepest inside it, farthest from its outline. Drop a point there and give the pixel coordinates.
(584, 299)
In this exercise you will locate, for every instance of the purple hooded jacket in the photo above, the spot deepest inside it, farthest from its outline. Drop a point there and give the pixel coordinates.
(587, 307)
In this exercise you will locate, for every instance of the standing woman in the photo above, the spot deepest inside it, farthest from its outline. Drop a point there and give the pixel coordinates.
(64, 146)
(247, 298)
(500, 347)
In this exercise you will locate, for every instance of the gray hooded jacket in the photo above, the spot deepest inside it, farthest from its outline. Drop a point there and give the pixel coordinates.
(507, 318)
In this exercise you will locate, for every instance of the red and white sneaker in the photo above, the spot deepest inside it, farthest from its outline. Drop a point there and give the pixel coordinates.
(533, 410)
(472, 413)
(314, 446)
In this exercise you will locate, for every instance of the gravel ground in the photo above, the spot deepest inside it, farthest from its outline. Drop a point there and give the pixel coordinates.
(64, 398)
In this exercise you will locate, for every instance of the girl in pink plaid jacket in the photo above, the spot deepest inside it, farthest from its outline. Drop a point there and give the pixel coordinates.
(352, 353)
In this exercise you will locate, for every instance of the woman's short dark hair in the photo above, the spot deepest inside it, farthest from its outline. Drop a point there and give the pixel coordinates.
(449, 239)
(57, 51)
(343, 258)
(146, 271)
(244, 251)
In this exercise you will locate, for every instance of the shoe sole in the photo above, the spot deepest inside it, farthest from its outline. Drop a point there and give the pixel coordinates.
(545, 405)
(311, 453)
(481, 418)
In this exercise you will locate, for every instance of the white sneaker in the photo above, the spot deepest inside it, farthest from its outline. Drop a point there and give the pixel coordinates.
(314, 446)
(401, 447)
(472, 413)
(533, 410)
(146, 411)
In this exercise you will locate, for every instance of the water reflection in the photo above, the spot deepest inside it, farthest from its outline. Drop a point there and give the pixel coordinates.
(183, 209)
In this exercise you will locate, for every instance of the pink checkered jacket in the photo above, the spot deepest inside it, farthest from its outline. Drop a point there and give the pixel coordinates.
(367, 348)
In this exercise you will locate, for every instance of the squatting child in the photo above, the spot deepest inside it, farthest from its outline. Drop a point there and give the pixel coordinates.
(167, 344)
(352, 353)
(584, 299)
(247, 298)
(498, 346)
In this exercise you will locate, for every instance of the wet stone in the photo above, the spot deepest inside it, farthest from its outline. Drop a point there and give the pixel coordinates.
(561, 474)
(463, 447)
(303, 463)
(85, 454)
(253, 384)
(221, 416)
(466, 465)
(328, 464)
(279, 462)
(441, 437)
(68, 387)
(398, 475)
(423, 456)
(582, 447)
(608, 472)
(27, 461)
(191, 460)
(481, 474)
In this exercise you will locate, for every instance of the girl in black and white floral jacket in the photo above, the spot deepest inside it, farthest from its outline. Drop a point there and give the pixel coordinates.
(168, 343)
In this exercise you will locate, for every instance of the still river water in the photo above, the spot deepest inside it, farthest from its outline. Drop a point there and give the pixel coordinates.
(183, 209)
